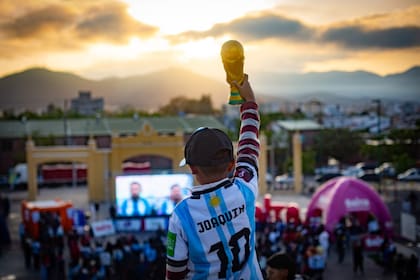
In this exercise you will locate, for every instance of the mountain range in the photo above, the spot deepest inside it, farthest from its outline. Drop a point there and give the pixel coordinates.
(341, 87)
(35, 88)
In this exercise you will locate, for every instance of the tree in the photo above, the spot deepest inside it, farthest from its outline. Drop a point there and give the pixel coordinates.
(402, 162)
(53, 112)
(403, 150)
(28, 115)
(182, 105)
(48, 140)
(308, 161)
(267, 119)
(341, 144)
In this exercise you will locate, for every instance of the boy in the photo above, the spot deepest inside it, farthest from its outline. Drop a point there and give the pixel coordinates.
(212, 233)
(280, 266)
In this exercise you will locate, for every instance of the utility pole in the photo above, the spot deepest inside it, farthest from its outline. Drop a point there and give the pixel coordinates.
(272, 163)
(66, 136)
(378, 116)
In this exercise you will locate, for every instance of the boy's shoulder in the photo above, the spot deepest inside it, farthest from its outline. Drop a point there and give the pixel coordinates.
(246, 172)
(180, 206)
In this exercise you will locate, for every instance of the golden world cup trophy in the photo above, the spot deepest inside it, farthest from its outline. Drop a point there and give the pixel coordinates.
(233, 61)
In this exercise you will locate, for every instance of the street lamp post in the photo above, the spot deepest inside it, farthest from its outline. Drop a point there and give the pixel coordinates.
(378, 116)
(272, 150)
(66, 135)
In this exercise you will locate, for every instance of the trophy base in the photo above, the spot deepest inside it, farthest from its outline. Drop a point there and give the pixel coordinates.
(235, 98)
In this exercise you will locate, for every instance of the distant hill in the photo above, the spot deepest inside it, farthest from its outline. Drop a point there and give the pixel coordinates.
(37, 87)
(344, 86)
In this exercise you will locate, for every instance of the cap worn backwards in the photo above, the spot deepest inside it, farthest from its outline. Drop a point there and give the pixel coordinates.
(208, 147)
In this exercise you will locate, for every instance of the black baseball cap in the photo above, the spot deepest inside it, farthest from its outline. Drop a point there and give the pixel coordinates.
(206, 146)
(282, 261)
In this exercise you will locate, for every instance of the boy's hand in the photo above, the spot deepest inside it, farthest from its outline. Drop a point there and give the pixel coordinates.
(245, 89)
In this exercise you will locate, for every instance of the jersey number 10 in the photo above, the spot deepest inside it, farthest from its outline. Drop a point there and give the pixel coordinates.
(235, 250)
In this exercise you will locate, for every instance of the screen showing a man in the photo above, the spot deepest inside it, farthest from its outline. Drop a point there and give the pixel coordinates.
(135, 205)
(150, 194)
(169, 204)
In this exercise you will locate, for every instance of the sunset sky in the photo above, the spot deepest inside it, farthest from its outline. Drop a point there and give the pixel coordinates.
(103, 38)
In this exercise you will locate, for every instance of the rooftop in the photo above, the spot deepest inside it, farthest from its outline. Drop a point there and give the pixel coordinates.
(104, 126)
(300, 125)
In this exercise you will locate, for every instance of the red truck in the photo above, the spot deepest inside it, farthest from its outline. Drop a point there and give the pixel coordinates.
(66, 173)
(63, 173)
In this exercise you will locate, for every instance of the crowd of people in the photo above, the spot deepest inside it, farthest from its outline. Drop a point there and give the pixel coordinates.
(126, 257)
(79, 255)
(309, 246)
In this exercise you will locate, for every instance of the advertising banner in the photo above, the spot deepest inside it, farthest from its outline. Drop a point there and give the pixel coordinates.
(103, 228)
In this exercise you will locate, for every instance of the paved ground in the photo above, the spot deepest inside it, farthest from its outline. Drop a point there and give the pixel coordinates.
(11, 260)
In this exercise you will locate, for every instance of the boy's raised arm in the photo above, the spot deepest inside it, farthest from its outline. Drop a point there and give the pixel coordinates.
(248, 144)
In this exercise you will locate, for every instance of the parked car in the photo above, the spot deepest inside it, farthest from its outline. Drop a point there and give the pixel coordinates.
(369, 177)
(365, 166)
(412, 174)
(284, 181)
(325, 177)
(329, 169)
(352, 171)
(268, 178)
(386, 170)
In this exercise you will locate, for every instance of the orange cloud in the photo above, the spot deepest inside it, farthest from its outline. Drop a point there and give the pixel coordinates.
(356, 34)
(34, 23)
(68, 25)
(111, 23)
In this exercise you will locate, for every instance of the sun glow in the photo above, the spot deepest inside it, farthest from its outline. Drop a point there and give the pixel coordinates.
(182, 15)
(134, 48)
(205, 49)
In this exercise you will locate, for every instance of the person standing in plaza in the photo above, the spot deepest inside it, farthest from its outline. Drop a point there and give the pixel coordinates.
(358, 257)
(316, 261)
(400, 267)
(5, 239)
(340, 238)
(412, 198)
(324, 241)
(412, 267)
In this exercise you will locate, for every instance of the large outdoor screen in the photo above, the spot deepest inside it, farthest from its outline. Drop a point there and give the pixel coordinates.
(151, 194)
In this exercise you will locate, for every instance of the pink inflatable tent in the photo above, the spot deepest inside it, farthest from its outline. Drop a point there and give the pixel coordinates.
(343, 195)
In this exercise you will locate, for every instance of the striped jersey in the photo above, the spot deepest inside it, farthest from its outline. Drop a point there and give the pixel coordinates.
(211, 234)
